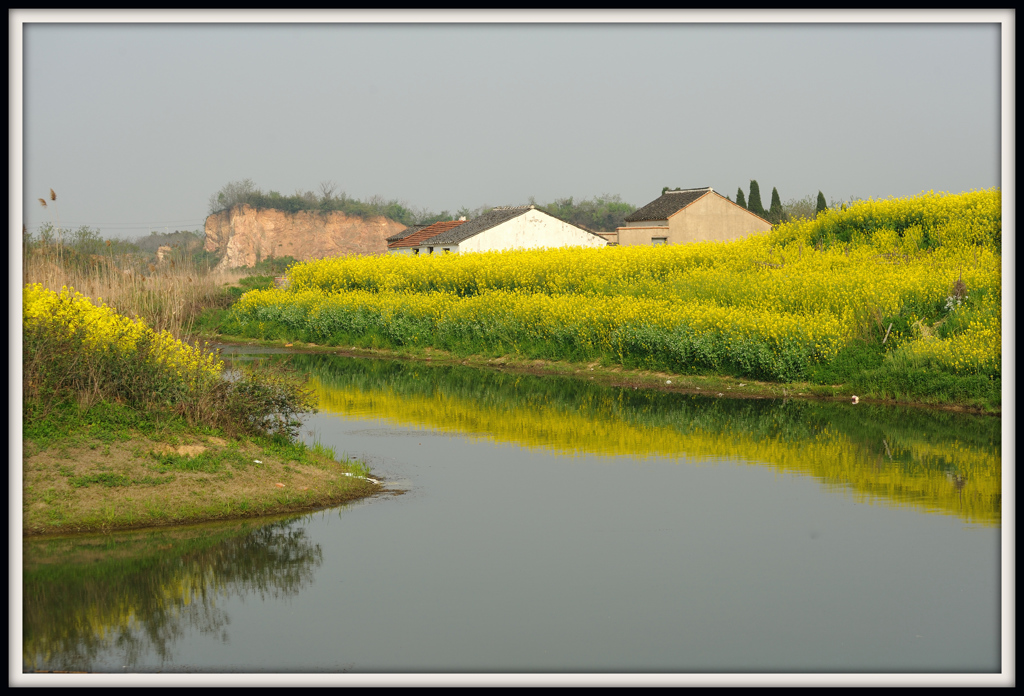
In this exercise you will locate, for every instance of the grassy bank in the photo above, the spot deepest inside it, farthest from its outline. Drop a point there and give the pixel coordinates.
(897, 300)
(609, 373)
(124, 426)
(110, 467)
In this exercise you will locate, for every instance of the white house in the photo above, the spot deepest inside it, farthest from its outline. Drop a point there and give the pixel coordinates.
(508, 227)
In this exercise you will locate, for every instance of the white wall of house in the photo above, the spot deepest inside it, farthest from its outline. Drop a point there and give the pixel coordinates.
(426, 250)
(531, 230)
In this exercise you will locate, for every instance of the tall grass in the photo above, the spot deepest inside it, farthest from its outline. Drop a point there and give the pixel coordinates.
(168, 295)
(108, 325)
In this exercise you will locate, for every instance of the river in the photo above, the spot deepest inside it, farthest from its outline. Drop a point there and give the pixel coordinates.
(551, 525)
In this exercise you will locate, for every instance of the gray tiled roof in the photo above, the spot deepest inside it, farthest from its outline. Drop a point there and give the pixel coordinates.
(490, 219)
(404, 233)
(670, 203)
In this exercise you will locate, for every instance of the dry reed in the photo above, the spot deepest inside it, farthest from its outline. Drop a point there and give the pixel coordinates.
(169, 297)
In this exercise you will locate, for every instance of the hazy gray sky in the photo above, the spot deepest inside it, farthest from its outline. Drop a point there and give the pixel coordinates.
(136, 125)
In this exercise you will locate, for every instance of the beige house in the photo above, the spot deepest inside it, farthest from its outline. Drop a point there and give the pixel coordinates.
(689, 215)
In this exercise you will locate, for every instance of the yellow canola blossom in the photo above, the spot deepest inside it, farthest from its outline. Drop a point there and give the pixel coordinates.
(784, 289)
(519, 316)
(103, 326)
(961, 230)
(977, 349)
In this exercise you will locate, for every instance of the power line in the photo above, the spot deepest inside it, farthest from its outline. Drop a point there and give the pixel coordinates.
(122, 226)
(137, 224)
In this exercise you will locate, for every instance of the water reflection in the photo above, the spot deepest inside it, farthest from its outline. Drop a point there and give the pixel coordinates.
(128, 598)
(935, 461)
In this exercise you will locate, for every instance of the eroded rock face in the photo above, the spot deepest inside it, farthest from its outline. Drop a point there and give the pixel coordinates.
(243, 236)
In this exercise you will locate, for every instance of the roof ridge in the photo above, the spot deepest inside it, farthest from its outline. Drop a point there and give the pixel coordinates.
(665, 205)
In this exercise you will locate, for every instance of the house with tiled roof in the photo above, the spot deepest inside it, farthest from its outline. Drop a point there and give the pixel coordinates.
(411, 242)
(502, 228)
(689, 215)
(403, 234)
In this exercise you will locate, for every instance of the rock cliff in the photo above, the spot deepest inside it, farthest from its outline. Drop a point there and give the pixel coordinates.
(243, 236)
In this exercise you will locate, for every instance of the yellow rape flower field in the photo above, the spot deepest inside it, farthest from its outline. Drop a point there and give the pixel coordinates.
(898, 299)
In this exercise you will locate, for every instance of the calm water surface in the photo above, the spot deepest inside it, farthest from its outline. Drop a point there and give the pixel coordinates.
(551, 525)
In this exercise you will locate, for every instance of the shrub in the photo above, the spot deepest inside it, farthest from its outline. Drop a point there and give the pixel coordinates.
(78, 353)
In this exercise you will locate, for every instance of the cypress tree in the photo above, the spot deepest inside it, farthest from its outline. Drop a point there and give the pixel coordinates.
(740, 200)
(821, 204)
(754, 200)
(775, 209)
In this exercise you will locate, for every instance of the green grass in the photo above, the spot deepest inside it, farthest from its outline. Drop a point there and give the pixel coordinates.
(229, 478)
(863, 367)
(87, 431)
(109, 480)
(210, 463)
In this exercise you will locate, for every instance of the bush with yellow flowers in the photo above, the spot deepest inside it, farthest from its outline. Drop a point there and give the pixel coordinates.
(77, 353)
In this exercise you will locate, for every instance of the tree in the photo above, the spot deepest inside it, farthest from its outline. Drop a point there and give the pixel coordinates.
(600, 214)
(821, 204)
(234, 193)
(775, 212)
(754, 200)
(740, 200)
(327, 191)
(797, 208)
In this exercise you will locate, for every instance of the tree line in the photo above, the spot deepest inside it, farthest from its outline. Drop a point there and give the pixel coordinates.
(600, 214)
(80, 248)
(777, 211)
(328, 199)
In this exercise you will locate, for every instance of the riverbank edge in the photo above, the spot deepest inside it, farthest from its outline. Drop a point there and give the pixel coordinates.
(81, 454)
(721, 386)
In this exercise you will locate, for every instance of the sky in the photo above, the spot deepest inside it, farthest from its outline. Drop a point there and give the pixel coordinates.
(136, 120)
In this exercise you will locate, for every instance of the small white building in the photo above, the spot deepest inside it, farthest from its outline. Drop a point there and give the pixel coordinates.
(504, 228)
